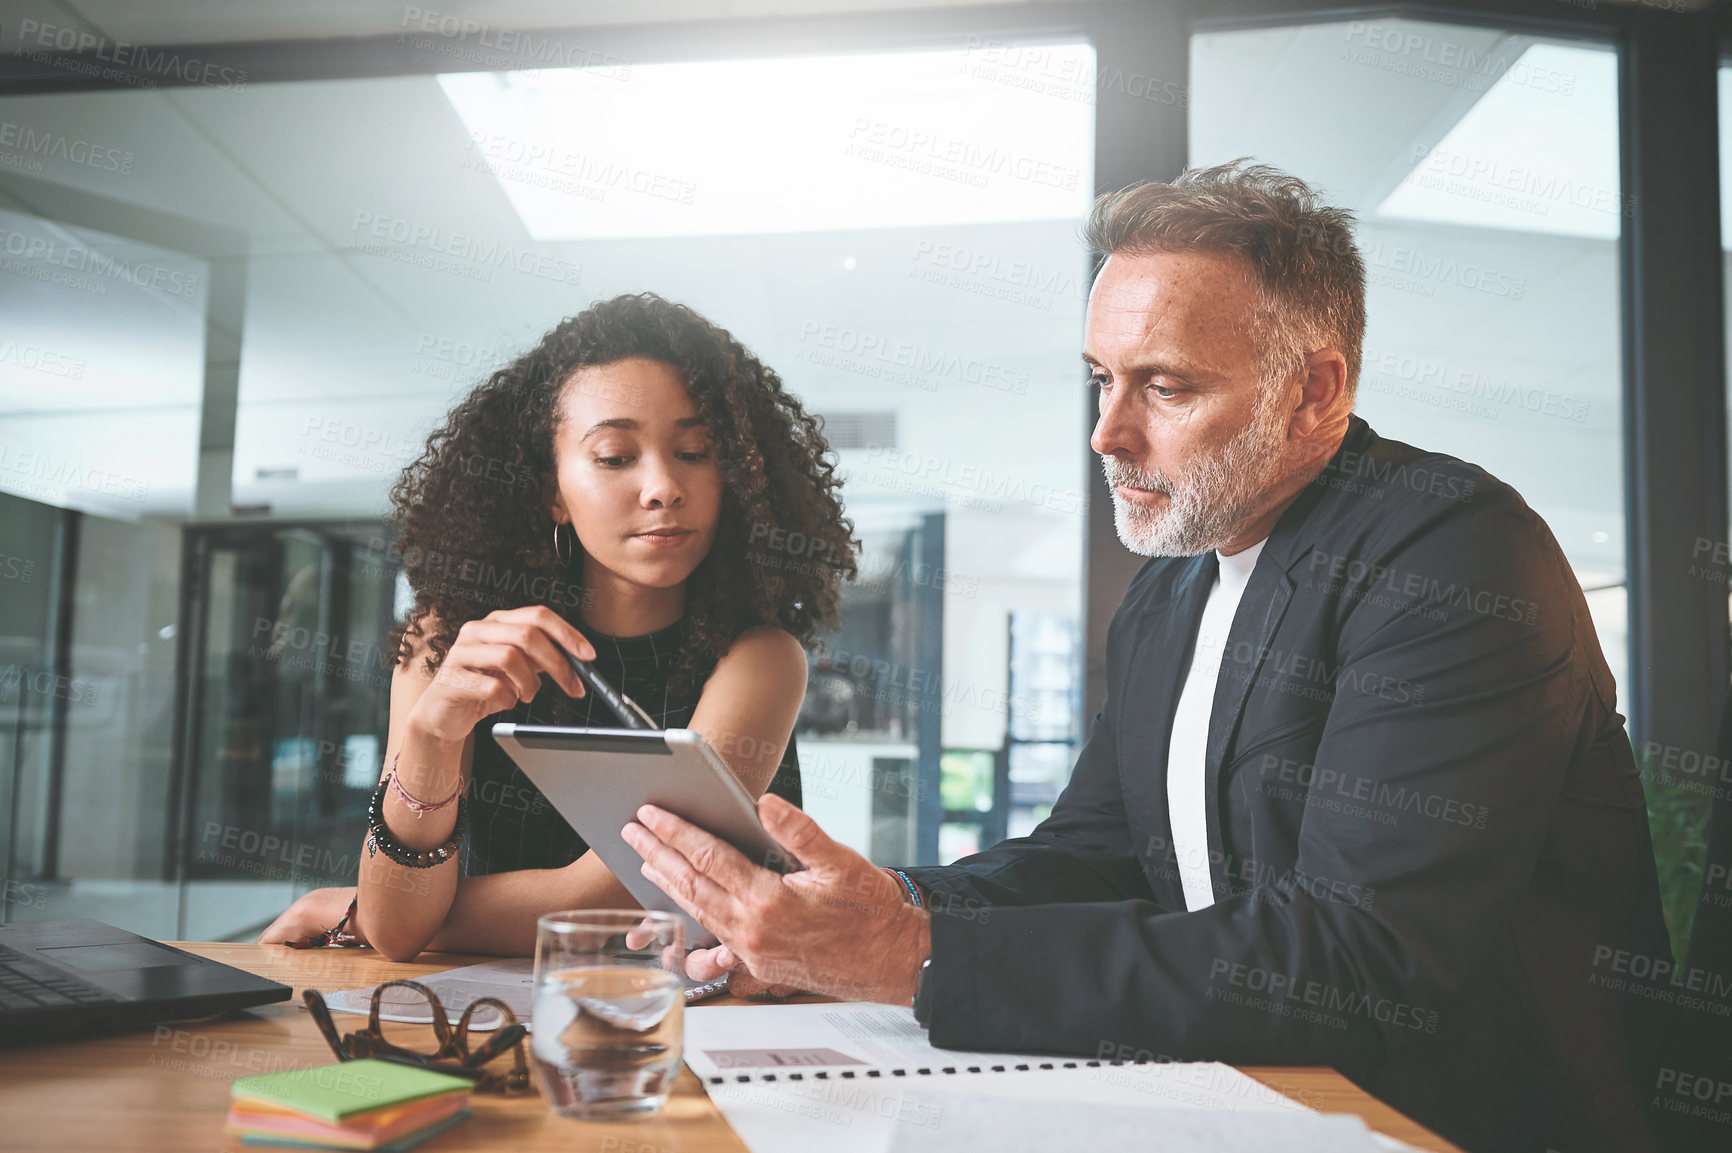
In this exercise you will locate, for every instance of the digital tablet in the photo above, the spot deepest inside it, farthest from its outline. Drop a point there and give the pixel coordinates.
(599, 778)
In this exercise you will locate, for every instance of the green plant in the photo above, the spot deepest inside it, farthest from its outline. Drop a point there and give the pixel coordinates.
(965, 780)
(1678, 821)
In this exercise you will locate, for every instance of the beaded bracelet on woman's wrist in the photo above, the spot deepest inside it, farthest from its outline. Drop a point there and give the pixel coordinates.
(380, 840)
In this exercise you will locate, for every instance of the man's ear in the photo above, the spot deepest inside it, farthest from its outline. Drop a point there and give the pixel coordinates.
(1322, 395)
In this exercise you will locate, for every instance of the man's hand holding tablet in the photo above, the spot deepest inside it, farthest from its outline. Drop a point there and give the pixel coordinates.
(840, 926)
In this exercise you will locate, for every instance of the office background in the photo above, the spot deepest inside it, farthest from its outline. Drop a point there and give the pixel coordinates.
(251, 252)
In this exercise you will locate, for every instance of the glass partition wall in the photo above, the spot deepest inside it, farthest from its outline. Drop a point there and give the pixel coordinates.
(232, 315)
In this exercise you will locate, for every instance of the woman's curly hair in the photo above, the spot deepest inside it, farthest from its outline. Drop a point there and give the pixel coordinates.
(475, 533)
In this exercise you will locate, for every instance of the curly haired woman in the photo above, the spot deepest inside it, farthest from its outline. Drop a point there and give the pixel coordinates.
(608, 493)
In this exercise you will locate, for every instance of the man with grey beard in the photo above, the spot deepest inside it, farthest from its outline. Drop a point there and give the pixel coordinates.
(1358, 794)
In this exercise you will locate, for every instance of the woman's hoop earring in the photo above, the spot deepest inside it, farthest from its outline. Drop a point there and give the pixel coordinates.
(565, 559)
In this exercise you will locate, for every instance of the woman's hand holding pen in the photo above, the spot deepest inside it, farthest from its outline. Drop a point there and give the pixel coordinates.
(494, 663)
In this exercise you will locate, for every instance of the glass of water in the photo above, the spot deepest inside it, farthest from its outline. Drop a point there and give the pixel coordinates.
(606, 1024)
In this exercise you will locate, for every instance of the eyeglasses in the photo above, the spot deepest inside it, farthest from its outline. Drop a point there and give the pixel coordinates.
(452, 1056)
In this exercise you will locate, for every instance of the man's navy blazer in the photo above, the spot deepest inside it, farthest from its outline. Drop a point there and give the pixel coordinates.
(1426, 830)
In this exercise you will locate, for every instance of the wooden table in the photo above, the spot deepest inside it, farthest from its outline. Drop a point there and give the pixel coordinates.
(167, 1088)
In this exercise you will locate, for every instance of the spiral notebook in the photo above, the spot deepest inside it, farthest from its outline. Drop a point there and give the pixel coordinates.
(862, 1078)
(847, 1041)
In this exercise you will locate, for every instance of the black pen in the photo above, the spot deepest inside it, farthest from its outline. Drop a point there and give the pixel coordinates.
(631, 715)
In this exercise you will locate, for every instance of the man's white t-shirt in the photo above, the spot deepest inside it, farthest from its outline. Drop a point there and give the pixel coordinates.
(1185, 800)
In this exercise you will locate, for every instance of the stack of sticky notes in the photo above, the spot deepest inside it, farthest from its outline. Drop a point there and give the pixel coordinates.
(366, 1104)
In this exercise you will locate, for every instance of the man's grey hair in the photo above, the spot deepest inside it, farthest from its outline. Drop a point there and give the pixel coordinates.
(1309, 276)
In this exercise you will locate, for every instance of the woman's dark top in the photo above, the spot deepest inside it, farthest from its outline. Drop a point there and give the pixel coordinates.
(511, 825)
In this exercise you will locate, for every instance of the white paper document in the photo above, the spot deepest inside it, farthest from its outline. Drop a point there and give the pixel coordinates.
(727, 1040)
(862, 1078)
(970, 1123)
(510, 979)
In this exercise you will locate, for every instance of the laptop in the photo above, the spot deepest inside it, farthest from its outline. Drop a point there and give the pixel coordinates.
(59, 978)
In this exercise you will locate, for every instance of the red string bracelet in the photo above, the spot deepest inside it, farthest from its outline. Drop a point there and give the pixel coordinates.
(414, 805)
